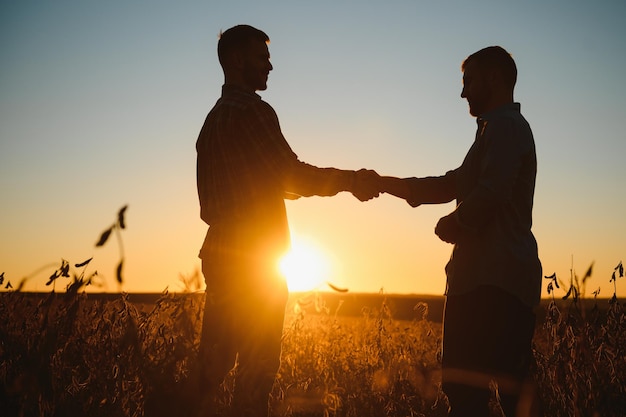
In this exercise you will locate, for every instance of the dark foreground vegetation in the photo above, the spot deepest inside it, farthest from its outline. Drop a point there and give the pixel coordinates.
(76, 354)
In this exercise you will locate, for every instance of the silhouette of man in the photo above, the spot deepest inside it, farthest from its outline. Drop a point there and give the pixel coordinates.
(245, 170)
(494, 274)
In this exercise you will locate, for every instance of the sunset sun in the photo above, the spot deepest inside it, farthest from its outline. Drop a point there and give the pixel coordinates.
(305, 266)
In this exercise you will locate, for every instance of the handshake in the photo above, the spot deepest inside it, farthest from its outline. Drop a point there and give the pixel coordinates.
(366, 185)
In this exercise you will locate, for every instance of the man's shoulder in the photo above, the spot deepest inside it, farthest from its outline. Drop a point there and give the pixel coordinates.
(242, 102)
(509, 126)
(509, 110)
(506, 115)
(234, 101)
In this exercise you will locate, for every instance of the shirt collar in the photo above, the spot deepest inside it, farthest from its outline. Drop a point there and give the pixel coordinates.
(233, 89)
(498, 111)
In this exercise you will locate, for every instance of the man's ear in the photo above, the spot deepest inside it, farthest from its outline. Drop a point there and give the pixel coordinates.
(496, 78)
(237, 61)
(234, 61)
(493, 76)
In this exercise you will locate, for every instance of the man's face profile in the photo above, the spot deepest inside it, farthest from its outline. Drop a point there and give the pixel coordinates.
(256, 65)
(476, 89)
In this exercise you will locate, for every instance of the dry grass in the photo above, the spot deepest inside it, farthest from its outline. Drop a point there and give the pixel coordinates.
(580, 354)
(67, 354)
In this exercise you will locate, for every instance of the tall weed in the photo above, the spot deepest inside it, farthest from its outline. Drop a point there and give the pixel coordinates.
(580, 353)
(71, 354)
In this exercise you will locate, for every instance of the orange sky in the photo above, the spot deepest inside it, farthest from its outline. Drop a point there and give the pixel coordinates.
(100, 106)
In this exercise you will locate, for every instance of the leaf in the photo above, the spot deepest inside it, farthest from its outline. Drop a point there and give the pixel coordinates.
(337, 288)
(566, 296)
(588, 273)
(80, 265)
(90, 280)
(1, 278)
(105, 236)
(54, 276)
(65, 269)
(553, 278)
(118, 272)
(120, 217)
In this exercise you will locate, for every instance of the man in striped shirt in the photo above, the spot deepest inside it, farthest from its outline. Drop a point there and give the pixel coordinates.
(245, 170)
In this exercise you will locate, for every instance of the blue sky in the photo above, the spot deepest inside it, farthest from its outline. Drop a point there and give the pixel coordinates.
(101, 104)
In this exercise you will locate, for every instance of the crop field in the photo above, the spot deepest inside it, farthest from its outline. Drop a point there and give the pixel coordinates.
(75, 354)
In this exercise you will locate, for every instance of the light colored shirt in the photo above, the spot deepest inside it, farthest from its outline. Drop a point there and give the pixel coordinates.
(494, 189)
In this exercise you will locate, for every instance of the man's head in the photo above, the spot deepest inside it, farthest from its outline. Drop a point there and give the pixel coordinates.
(489, 77)
(244, 57)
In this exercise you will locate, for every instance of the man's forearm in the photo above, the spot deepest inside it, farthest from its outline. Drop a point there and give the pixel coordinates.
(417, 191)
(398, 187)
(308, 180)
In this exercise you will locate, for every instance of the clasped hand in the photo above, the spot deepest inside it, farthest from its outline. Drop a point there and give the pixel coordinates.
(366, 185)
(448, 228)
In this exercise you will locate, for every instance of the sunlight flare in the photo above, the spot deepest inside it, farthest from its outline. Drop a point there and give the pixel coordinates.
(305, 266)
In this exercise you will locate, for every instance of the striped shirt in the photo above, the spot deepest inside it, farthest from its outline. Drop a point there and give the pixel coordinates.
(245, 170)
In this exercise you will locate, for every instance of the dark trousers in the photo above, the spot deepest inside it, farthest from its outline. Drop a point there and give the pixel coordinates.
(487, 335)
(243, 321)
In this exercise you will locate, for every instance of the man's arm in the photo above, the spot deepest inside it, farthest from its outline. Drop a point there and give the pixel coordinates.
(299, 178)
(417, 191)
(398, 187)
(308, 180)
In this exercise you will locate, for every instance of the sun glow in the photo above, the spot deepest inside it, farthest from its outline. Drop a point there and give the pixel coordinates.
(305, 267)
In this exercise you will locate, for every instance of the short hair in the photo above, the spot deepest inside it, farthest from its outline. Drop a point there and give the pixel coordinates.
(495, 57)
(236, 38)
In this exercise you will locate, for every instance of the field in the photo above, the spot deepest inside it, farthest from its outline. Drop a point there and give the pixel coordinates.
(76, 354)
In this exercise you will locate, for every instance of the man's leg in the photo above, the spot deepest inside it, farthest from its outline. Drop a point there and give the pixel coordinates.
(487, 335)
(260, 348)
(467, 396)
(218, 341)
(512, 357)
